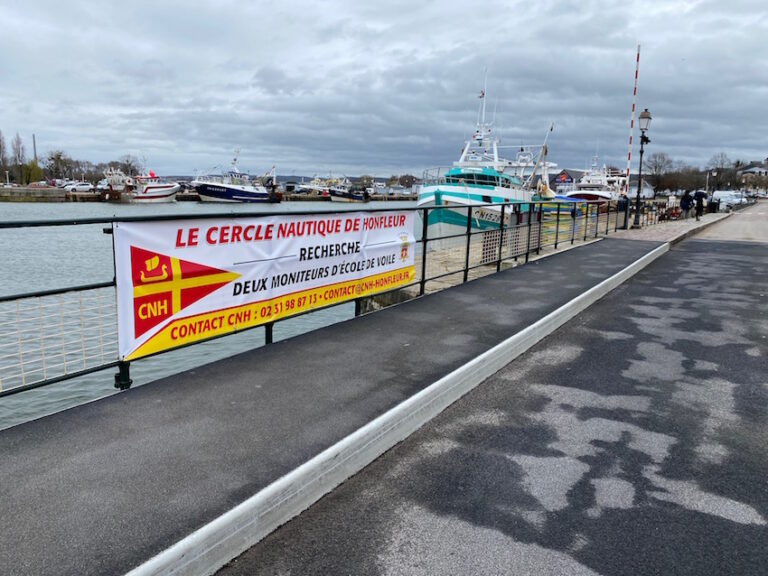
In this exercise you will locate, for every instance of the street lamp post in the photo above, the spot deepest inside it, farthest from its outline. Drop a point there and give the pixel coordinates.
(644, 120)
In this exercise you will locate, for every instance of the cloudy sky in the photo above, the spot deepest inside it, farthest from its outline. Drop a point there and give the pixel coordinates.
(379, 87)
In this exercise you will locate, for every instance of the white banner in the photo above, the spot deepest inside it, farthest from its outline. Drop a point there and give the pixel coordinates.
(183, 281)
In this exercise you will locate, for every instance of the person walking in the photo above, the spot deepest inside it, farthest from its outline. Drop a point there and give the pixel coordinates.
(698, 198)
(686, 203)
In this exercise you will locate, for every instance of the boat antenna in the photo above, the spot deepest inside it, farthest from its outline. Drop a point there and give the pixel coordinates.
(632, 121)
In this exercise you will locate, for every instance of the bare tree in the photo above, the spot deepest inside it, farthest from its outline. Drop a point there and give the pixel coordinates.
(59, 165)
(3, 151)
(17, 146)
(407, 180)
(130, 164)
(659, 164)
(19, 156)
(721, 169)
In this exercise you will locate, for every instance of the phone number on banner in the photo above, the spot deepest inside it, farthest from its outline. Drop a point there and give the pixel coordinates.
(192, 329)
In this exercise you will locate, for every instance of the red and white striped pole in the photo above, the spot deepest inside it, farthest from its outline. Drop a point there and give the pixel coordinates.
(632, 122)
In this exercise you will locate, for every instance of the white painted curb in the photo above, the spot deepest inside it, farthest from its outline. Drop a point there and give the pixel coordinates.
(209, 548)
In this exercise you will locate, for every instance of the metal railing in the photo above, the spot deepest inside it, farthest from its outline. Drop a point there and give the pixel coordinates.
(58, 334)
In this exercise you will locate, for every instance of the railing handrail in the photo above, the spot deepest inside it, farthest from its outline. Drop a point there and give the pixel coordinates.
(212, 215)
(523, 221)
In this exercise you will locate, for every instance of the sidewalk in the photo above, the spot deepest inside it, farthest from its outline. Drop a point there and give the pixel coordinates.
(184, 473)
(671, 231)
(629, 441)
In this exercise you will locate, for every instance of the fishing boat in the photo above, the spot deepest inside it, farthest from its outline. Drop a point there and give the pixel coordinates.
(116, 186)
(345, 191)
(150, 188)
(601, 184)
(237, 186)
(480, 177)
(315, 187)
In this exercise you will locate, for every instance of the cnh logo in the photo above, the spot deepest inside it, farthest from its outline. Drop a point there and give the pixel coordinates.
(163, 286)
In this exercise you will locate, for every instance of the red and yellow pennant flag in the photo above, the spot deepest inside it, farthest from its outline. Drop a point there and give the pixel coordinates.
(163, 286)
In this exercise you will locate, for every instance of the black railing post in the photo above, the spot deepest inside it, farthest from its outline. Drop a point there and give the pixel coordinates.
(557, 225)
(528, 242)
(268, 332)
(539, 219)
(607, 217)
(573, 222)
(626, 215)
(586, 221)
(469, 240)
(123, 377)
(423, 283)
(358, 306)
(597, 219)
(501, 238)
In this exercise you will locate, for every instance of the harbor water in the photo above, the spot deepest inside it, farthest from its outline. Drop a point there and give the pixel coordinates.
(44, 258)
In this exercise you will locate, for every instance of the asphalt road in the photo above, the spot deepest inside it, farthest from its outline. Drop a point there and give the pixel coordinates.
(631, 441)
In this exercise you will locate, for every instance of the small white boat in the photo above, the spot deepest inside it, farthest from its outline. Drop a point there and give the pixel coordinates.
(603, 184)
(149, 188)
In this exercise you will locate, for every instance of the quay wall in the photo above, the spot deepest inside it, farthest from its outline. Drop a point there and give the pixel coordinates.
(61, 195)
(33, 195)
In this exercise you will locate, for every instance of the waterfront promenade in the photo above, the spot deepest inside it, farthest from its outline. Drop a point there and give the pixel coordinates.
(105, 487)
(631, 441)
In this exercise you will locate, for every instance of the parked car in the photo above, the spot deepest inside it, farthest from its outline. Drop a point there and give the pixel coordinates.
(729, 198)
(102, 185)
(80, 187)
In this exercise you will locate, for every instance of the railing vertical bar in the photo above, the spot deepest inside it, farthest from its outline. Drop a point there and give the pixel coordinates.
(63, 337)
(528, 242)
(101, 327)
(626, 214)
(557, 225)
(21, 352)
(597, 219)
(501, 238)
(40, 336)
(539, 222)
(469, 240)
(573, 223)
(423, 283)
(82, 328)
(268, 335)
(586, 221)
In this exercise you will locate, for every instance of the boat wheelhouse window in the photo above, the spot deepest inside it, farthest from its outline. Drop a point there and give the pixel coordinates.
(487, 199)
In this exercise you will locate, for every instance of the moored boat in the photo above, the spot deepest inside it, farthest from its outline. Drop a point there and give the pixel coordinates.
(237, 186)
(596, 184)
(345, 191)
(479, 177)
(116, 186)
(149, 188)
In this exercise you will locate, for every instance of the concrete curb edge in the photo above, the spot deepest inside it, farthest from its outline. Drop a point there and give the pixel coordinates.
(209, 548)
(694, 231)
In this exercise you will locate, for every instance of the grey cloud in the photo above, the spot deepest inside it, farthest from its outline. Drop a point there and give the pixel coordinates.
(381, 87)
